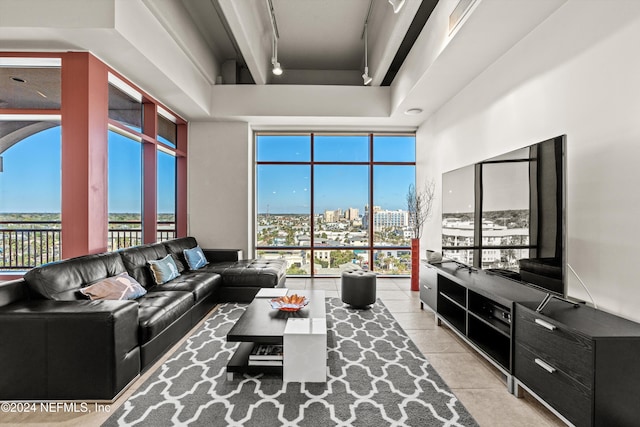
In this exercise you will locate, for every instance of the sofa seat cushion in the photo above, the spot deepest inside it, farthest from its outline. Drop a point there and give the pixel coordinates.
(250, 272)
(158, 310)
(200, 284)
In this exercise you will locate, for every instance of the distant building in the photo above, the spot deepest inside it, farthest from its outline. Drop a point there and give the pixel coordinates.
(386, 219)
(352, 214)
(332, 216)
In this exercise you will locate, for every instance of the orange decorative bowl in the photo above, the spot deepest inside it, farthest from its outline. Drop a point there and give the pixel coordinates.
(289, 303)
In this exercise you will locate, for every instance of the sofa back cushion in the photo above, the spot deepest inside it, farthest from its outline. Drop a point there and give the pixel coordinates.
(136, 261)
(62, 280)
(176, 248)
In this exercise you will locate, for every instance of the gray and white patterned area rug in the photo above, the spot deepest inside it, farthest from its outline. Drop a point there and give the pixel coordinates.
(378, 377)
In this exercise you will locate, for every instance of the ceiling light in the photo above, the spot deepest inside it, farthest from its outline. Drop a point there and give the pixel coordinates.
(365, 77)
(277, 69)
(413, 111)
(397, 5)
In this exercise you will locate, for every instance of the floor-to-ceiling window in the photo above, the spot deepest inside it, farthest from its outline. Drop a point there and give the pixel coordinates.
(30, 161)
(167, 169)
(125, 191)
(142, 137)
(327, 202)
(125, 166)
(145, 184)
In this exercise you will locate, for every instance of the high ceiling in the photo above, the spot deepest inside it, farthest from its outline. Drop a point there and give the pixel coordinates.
(211, 59)
(319, 41)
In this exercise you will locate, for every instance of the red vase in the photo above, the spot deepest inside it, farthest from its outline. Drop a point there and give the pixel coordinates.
(415, 264)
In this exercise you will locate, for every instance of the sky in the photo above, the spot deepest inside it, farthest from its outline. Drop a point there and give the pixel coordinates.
(30, 181)
(31, 178)
(287, 188)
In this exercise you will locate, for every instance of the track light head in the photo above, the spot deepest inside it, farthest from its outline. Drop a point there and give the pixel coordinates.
(397, 5)
(277, 69)
(366, 77)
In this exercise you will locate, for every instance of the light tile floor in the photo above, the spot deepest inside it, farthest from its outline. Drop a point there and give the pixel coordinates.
(477, 384)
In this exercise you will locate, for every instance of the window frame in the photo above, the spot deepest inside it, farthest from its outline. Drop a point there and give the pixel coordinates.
(371, 247)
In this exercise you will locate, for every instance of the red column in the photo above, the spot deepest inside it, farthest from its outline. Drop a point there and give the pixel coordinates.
(85, 111)
(150, 173)
(415, 264)
(181, 182)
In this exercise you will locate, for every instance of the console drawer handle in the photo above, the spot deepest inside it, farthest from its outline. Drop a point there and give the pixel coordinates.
(544, 365)
(544, 324)
(426, 287)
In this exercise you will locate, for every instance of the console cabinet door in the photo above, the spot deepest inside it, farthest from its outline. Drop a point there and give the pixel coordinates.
(428, 285)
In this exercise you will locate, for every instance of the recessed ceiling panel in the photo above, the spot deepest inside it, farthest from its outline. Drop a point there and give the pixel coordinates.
(30, 88)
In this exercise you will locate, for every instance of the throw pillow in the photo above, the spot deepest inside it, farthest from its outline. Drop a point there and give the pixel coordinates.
(118, 287)
(195, 258)
(163, 270)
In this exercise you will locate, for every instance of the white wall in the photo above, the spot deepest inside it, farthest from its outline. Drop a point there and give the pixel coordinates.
(219, 184)
(577, 74)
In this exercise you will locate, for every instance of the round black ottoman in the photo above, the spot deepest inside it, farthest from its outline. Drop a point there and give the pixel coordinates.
(358, 288)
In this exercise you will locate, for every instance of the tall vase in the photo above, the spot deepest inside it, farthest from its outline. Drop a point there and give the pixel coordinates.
(415, 264)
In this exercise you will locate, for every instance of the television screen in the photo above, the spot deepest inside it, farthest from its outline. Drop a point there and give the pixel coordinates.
(506, 215)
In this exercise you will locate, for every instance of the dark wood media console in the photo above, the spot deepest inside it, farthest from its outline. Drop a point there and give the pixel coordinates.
(478, 306)
(581, 363)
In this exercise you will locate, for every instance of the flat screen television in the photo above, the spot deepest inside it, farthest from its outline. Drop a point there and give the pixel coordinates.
(506, 215)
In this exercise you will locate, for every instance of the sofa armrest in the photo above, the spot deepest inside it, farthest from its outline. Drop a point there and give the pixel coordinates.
(68, 350)
(221, 255)
(12, 291)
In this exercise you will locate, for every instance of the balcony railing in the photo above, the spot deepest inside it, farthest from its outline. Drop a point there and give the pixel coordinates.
(124, 234)
(27, 244)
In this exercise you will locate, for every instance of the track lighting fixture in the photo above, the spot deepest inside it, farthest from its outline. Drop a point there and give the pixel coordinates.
(277, 68)
(366, 77)
(397, 5)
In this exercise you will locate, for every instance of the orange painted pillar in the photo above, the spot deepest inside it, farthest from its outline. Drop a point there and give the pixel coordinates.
(181, 182)
(415, 264)
(150, 172)
(85, 113)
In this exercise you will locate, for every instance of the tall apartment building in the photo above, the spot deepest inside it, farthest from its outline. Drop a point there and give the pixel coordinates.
(352, 213)
(384, 218)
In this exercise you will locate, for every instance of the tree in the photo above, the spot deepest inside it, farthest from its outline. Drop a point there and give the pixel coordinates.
(294, 270)
(323, 264)
(340, 257)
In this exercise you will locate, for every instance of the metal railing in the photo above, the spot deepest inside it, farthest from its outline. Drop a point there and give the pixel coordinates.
(124, 234)
(27, 244)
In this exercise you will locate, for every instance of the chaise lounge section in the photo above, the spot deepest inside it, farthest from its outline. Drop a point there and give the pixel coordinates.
(57, 345)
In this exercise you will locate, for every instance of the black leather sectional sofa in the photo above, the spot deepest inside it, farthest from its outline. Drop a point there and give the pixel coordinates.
(56, 345)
